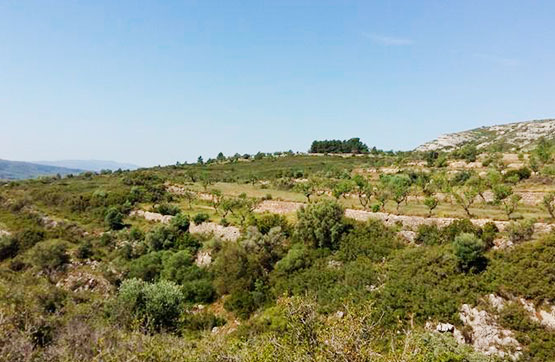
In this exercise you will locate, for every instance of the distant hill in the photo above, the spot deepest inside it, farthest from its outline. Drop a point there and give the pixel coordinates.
(90, 165)
(16, 170)
(522, 135)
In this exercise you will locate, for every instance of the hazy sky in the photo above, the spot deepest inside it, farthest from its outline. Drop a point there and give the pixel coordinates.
(155, 82)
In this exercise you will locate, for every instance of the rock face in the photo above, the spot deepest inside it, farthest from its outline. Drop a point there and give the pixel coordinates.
(522, 134)
(229, 233)
(203, 259)
(543, 314)
(487, 336)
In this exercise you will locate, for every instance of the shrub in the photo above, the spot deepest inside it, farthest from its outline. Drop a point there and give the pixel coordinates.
(267, 221)
(372, 239)
(167, 209)
(85, 250)
(157, 306)
(199, 291)
(179, 267)
(180, 222)
(296, 258)
(200, 218)
(470, 251)
(27, 238)
(320, 224)
(161, 238)
(201, 321)
(428, 235)
(50, 255)
(147, 267)
(521, 231)
(8, 247)
(489, 232)
(114, 219)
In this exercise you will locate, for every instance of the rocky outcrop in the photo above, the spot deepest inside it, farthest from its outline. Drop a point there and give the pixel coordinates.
(228, 233)
(522, 134)
(203, 259)
(487, 336)
(543, 314)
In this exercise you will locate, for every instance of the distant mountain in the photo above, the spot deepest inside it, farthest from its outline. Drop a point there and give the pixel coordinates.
(522, 135)
(90, 165)
(16, 170)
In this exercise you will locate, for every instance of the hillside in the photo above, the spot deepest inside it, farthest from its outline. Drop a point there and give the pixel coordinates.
(90, 165)
(17, 170)
(520, 135)
(385, 256)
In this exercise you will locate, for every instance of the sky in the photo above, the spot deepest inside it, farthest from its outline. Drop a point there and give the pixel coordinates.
(155, 82)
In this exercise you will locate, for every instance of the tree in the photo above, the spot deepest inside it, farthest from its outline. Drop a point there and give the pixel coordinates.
(200, 161)
(465, 197)
(543, 151)
(342, 188)
(503, 195)
(510, 204)
(190, 196)
(306, 188)
(320, 224)
(206, 180)
(192, 174)
(399, 187)
(431, 203)
(114, 219)
(480, 185)
(363, 190)
(548, 204)
(382, 195)
(220, 157)
(244, 206)
(216, 199)
(469, 250)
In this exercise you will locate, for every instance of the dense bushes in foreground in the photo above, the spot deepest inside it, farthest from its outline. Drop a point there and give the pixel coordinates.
(316, 288)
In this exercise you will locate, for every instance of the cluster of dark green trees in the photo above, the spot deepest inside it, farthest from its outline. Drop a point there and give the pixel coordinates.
(353, 145)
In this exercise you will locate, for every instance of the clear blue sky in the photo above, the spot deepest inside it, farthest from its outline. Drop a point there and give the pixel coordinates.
(155, 82)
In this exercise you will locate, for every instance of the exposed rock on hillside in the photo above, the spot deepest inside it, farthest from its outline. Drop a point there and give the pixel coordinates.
(520, 134)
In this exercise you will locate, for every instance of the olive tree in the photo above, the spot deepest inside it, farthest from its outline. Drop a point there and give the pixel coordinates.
(320, 224)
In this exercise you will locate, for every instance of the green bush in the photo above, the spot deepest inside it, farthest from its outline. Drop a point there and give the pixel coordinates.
(167, 209)
(180, 222)
(320, 224)
(372, 239)
(114, 219)
(200, 218)
(8, 247)
(50, 255)
(428, 235)
(470, 251)
(267, 221)
(199, 291)
(157, 306)
(148, 267)
(520, 231)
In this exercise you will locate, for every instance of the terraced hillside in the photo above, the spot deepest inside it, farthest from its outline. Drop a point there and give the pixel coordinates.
(381, 256)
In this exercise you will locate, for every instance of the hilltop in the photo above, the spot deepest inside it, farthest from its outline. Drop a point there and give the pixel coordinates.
(519, 135)
(90, 165)
(17, 170)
